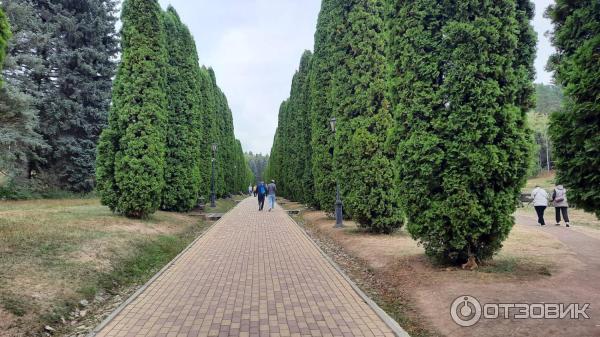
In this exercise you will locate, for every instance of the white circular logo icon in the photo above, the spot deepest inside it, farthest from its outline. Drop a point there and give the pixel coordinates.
(466, 311)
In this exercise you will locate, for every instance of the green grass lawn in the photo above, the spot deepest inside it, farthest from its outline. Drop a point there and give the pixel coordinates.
(54, 253)
(545, 180)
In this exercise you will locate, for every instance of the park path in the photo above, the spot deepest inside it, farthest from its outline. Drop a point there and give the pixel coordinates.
(252, 274)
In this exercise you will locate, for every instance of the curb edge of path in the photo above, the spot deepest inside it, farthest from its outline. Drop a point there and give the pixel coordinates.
(138, 292)
(389, 321)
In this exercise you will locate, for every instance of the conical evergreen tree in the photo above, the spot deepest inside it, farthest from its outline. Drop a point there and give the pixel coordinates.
(463, 146)
(184, 126)
(575, 130)
(298, 175)
(274, 169)
(73, 109)
(327, 57)
(20, 141)
(131, 152)
(207, 106)
(363, 166)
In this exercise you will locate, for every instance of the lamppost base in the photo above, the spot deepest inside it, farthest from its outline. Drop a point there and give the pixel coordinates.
(339, 215)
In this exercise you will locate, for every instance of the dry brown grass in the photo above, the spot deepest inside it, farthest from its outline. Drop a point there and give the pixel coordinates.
(54, 252)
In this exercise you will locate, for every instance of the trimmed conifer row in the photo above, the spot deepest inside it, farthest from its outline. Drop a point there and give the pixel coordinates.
(167, 112)
(430, 100)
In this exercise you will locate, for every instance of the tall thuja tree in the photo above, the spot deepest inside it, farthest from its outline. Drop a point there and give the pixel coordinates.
(184, 127)
(224, 157)
(207, 107)
(364, 167)
(327, 56)
(462, 144)
(244, 175)
(231, 154)
(575, 129)
(284, 148)
(131, 152)
(298, 155)
(73, 110)
(525, 56)
(219, 136)
(274, 168)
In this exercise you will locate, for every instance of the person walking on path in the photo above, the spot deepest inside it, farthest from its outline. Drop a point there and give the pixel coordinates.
(250, 190)
(540, 202)
(272, 189)
(254, 189)
(561, 205)
(262, 194)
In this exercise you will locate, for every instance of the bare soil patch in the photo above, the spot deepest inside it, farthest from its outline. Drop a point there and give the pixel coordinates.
(536, 265)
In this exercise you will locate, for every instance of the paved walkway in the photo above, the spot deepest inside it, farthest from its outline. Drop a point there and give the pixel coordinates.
(252, 274)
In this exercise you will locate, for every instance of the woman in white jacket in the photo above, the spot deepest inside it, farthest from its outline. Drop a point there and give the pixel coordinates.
(540, 202)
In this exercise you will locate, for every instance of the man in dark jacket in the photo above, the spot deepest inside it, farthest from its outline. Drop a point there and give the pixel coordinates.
(261, 190)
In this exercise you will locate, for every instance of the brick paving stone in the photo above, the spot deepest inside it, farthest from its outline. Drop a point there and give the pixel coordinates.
(252, 274)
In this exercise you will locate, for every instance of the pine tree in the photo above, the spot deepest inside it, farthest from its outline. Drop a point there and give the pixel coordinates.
(131, 152)
(363, 166)
(462, 143)
(24, 70)
(327, 56)
(575, 130)
(73, 110)
(184, 125)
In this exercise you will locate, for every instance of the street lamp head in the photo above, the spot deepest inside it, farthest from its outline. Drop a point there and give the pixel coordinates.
(214, 147)
(332, 122)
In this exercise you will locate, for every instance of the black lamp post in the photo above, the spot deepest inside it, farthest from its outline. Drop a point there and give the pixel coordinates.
(339, 217)
(212, 178)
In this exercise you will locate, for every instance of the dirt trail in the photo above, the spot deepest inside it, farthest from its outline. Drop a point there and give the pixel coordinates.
(578, 282)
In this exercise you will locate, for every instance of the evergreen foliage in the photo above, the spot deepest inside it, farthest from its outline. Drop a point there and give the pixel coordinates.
(363, 166)
(24, 71)
(5, 35)
(131, 152)
(208, 136)
(274, 170)
(462, 153)
(76, 87)
(258, 164)
(575, 129)
(326, 59)
(548, 99)
(184, 123)
(294, 167)
(18, 138)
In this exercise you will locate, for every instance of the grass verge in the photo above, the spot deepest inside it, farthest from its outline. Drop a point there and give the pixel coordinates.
(56, 253)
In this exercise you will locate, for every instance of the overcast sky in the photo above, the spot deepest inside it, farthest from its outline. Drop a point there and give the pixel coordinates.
(255, 46)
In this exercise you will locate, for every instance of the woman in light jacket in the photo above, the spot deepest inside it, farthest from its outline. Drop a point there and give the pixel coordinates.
(561, 205)
(540, 202)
